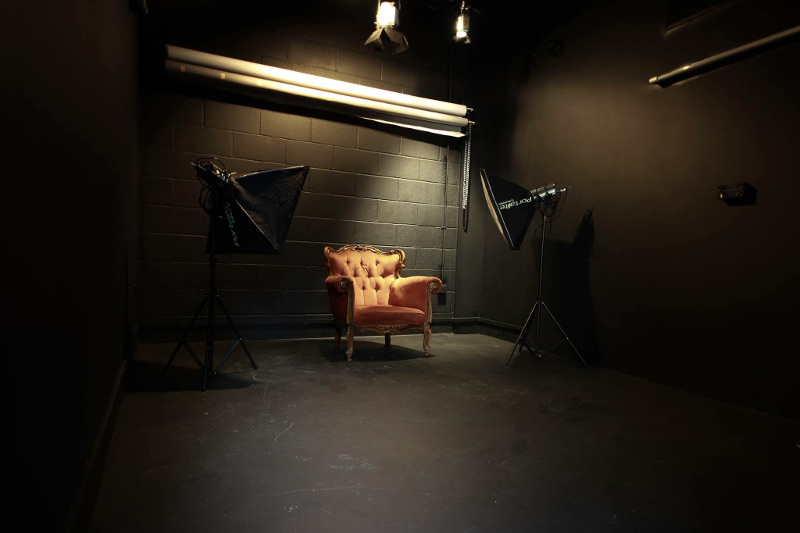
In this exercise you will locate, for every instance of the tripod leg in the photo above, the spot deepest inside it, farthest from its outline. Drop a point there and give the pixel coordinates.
(183, 342)
(564, 333)
(523, 335)
(209, 359)
(238, 341)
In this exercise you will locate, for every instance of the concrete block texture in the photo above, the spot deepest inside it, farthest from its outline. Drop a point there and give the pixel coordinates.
(327, 230)
(312, 53)
(431, 215)
(154, 190)
(189, 248)
(428, 258)
(359, 64)
(168, 275)
(453, 196)
(421, 192)
(231, 117)
(313, 205)
(167, 108)
(259, 147)
(403, 74)
(375, 234)
(305, 301)
(359, 161)
(168, 163)
(190, 221)
(285, 125)
(155, 133)
(155, 247)
(377, 187)
(186, 193)
(255, 302)
(433, 171)
(207, 141)
(309, 154)
(419, 236)
(420, 149)
(299, 229)
(332, 182)
(301, 278)
(307, 253)
(374, 186)
(351, 208)
(451, 238)
(334, 133)
(454, 176)
(156, 218)
(378, 141)
(269, 277)
(398, 212)
(398, 166)
(452, 216)
(237, 276)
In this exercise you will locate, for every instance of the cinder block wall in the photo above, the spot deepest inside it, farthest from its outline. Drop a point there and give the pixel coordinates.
(367, 184)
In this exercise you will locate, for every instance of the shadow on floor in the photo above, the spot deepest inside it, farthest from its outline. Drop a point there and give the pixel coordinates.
(147, 373)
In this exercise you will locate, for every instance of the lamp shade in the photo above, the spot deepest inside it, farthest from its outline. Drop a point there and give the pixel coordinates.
(512, 207)
(258, 212)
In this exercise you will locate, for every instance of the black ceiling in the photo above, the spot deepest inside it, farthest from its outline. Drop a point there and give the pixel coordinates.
(501, 16)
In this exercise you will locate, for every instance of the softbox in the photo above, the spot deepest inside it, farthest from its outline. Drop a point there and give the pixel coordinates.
(258, 208)
(512, 207)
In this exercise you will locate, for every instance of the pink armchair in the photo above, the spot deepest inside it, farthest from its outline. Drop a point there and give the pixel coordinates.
(366, 293)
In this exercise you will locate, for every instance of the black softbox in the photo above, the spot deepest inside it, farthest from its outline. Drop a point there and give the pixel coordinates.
(256, 211)
(512, 207)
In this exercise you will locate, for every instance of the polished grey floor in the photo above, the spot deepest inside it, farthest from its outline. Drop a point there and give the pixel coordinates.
(456, 442)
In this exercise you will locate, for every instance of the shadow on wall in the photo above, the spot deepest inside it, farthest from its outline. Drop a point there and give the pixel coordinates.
(567, 294)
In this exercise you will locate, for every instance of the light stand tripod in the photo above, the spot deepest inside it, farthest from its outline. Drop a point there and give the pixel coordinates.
(542, 205)
(216, 198)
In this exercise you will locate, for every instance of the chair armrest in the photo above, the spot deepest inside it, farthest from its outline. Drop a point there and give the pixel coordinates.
(414, 291)
(340, 295)
(339, 283)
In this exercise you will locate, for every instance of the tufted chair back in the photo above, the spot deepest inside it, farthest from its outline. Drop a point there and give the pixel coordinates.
(373, 271)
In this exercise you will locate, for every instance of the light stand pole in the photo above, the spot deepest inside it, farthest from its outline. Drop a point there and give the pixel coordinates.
(218, 200)
(523, 335)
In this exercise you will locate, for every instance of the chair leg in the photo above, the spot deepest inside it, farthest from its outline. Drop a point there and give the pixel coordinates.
(426, 339)
(338, 338)
(388, 339)
(350, 336)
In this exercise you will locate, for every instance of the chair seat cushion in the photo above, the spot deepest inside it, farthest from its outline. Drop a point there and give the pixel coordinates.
(387, 315)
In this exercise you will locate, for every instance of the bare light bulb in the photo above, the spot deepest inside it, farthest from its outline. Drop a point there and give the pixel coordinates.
(387, 15)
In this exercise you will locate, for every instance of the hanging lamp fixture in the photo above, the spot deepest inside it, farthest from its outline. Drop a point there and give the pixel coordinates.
(462, 25)
(386, 37)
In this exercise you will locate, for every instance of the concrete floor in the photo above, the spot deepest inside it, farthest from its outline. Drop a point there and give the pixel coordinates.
(456, 442)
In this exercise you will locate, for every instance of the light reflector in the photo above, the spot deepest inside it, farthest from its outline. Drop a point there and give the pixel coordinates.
(512, 207)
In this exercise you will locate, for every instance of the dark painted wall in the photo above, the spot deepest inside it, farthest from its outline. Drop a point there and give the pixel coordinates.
(368, 184)
(663, 280)
(68, 231)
